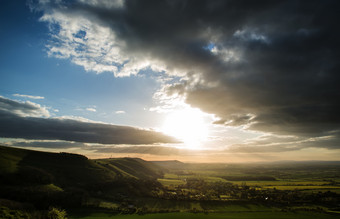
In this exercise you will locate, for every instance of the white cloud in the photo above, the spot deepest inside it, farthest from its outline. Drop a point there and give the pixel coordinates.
(91, 109)
(104, 3)
(77, 118)
(227, 54)
(120, 112)
(29, 96)
(85, 42)
(251, 35)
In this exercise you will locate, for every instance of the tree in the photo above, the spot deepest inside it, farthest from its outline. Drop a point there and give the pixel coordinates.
(55, 213)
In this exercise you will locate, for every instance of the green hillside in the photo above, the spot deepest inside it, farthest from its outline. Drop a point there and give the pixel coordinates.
(28, 166)
(20, 166)
(132, 167)
(66, 179)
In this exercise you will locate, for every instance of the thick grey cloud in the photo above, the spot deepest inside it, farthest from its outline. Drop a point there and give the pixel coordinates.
(52, 144)
(22, 108)
(271, 66)
(103, 148)
(14, 125)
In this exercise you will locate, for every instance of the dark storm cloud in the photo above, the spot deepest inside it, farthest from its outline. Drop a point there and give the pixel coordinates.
(288, 72)
(271, 66)
(14, 125)
(103, 148)
(22, 108)
(46, 144)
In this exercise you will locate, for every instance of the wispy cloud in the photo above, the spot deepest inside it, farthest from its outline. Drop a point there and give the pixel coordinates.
(91, 109)
(120, 112)
(29, 96)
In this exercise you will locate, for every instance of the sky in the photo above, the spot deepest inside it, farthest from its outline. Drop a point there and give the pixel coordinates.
(191, 80)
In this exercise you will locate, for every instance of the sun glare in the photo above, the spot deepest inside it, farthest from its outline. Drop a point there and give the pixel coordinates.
(187, 125)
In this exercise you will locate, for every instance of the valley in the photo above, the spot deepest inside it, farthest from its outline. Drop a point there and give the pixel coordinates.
(34, 184)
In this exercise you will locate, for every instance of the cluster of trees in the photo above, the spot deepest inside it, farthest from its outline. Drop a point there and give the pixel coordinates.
(51, 213)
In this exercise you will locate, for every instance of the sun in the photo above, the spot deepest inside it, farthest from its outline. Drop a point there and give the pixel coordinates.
(187, 125)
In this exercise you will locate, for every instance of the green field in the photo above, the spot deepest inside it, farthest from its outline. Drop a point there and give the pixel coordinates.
(231, 215)
(286, 177)
(171, 182)
(281, 183)
(314, 187)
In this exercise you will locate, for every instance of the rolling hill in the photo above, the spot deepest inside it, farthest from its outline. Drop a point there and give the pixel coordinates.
(44, 178)
(66, 168)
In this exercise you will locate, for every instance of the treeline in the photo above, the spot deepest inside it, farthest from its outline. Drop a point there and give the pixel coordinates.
(52, 213)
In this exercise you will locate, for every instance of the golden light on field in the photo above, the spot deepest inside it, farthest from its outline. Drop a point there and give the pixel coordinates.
(187, 125)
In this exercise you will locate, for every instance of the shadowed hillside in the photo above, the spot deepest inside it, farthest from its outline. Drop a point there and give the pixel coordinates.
(66, 179)
(27, 166)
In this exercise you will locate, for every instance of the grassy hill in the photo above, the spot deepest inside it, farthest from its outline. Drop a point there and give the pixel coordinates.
(65, 168)
(44, 178)
(132, 167)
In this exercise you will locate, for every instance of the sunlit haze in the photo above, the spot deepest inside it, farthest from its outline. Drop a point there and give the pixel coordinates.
(187, 125)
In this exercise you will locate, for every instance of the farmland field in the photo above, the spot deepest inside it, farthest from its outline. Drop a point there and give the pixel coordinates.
(231, 215)
(187, 190)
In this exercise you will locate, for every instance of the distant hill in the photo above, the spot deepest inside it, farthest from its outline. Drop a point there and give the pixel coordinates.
(132, 167)
(170, 164)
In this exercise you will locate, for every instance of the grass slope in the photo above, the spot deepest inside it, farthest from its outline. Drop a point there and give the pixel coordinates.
(44, 178)
(19, 166)
(132, 167)
(28, 166)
